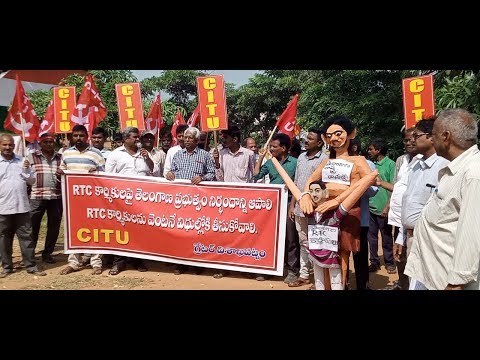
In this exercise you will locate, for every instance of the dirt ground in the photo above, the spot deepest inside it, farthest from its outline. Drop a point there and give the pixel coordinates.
(159, 277)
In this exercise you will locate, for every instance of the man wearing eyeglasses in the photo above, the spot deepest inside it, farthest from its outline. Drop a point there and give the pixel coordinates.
(421, 182)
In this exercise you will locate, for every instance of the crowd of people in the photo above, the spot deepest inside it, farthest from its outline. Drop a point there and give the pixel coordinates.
(421, 207)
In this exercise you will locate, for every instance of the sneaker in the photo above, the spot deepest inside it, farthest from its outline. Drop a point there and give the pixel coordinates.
(373, 268)
(291, 277)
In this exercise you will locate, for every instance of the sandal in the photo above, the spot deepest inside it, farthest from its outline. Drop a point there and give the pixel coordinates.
(299, 282)
(97, 271)
(67, 270)
(391, 269)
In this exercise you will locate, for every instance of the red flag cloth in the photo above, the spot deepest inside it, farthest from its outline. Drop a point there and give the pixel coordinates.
(154, 121)
(48, 123)
(179, 120)
(194, 119)
(89, 97)
(287, 121)
(22, 115)
(92, 121)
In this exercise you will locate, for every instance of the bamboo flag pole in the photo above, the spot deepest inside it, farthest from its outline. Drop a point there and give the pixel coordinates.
(19, 100)
(23, 134)
(214, 139)
(297, 194)
(270, 138)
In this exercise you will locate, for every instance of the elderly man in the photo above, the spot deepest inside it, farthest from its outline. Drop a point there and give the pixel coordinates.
(15, 174)
(445, 252)
(194, 164)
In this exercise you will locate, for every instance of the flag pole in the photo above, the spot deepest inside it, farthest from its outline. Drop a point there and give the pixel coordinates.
(214, 139)
(270, 137)
(23, 134)
(21, 117)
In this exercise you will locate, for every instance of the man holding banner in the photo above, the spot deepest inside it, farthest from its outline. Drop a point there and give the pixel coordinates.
(128, 159)
(85, 159)
(194, 164)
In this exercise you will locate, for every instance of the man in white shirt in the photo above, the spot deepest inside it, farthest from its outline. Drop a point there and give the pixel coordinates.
(445, 252)
(403, 167)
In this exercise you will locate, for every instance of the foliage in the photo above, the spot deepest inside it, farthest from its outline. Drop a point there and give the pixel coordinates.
(459, 90)
(372, 99)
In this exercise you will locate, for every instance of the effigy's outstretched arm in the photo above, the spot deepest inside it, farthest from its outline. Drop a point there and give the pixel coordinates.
(352, 194)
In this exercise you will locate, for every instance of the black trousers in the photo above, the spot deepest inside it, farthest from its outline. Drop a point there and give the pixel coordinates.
(380, 223)
(360, 261)
(292, 248)
(54, 210)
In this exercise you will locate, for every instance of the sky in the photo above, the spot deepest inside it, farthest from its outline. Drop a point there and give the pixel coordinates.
(237, 77)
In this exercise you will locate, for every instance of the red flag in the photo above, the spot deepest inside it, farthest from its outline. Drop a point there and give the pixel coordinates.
(89, 98)
(286, 122)
(154, 121)
(195, 117)
(48, 123)
(92, 120)
(21, 115)
(179, 120)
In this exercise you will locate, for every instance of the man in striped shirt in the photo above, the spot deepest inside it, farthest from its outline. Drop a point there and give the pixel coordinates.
(192, 163)
(235, 163)
(307, 163)
(46, 194)
(86, 159)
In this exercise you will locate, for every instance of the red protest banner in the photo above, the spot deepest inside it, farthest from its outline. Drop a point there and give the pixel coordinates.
(130, 108)
(215, 225)
(418, 101)
(64, 103)
(212, 103)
